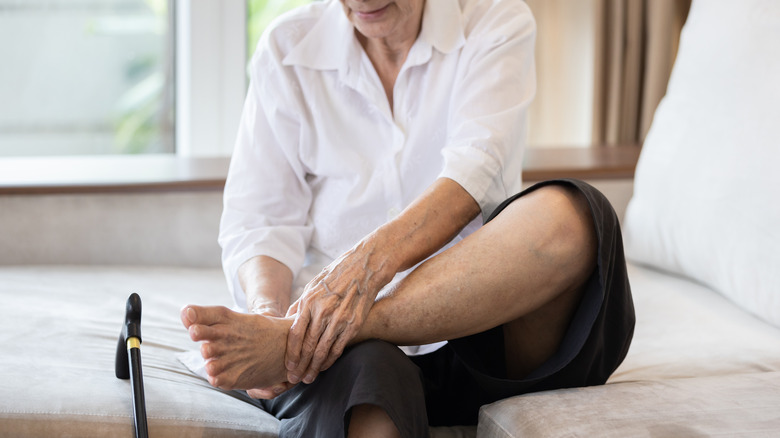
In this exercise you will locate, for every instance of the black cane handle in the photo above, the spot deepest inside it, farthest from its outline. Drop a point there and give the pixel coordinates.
(130, 329)
(127, 364)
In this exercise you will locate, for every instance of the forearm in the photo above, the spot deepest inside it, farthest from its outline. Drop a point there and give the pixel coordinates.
(267, 284)
(429, 223)
(337, 301)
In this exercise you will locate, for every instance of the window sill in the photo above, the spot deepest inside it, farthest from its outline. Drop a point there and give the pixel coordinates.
(113, 174)
(165, 173)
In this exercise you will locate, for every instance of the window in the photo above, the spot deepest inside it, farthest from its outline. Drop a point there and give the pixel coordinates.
(86, 77)
(215, 38)
(98, 77)
(260, 13)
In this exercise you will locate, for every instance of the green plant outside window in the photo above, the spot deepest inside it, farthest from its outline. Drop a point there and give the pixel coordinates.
(260, 13)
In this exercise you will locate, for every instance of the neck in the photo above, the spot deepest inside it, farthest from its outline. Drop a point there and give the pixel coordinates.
(382, 52)
(394, 48)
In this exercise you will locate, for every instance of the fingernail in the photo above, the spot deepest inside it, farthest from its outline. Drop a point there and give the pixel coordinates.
(308, 379)
(293, 379)
(191, 315)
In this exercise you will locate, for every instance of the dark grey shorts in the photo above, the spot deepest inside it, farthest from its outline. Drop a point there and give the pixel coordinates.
(448, 386)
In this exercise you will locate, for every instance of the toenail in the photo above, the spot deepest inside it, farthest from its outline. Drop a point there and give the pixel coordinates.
(191, 315)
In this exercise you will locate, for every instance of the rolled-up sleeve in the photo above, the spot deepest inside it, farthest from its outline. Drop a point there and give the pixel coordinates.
(488, 113)
(266, 198)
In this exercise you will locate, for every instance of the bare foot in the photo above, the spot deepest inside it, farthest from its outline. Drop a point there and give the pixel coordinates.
(242, 351)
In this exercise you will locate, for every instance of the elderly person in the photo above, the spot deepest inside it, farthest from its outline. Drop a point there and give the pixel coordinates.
(377, 137)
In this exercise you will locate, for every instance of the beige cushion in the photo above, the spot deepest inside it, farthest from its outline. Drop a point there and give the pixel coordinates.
(741, 405)
(684, 329)
(698, 366)
(59, 329)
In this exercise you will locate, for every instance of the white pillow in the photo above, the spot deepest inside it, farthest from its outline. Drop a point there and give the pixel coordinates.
(706, 198)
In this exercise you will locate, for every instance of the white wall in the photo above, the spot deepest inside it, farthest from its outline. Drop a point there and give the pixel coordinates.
(163, 228)
(561, 114)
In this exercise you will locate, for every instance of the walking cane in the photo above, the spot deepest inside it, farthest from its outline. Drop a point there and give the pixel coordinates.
(128, 362)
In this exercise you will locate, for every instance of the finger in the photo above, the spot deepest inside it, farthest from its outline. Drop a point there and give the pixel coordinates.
(270, 392)
(336, 351)
(295, 343)
(293, 309)
(264, 394)
(308, 347)
(322, 351)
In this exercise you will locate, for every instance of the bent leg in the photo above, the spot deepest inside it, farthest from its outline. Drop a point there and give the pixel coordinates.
(524, 268)
(523, 271)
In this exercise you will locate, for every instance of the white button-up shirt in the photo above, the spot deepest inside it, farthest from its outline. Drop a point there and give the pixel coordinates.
(322, 160)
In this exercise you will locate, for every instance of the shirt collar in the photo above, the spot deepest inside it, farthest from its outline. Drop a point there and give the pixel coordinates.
(442, 26)
(331, 43)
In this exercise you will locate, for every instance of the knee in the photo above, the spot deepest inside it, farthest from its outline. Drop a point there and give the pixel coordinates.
(560, 216)
(572, 215)
(553, 226)
(381, 358)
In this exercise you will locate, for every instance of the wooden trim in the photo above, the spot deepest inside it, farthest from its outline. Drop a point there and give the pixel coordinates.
(601, 162)
(126, 174)
(166, 173)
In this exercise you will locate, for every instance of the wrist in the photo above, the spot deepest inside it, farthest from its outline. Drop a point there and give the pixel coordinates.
(390, 255)
(266, 307)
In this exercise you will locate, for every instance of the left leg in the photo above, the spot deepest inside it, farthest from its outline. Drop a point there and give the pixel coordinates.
(523, 270)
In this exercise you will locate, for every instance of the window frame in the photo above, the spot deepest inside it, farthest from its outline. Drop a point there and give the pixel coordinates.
(211, 84)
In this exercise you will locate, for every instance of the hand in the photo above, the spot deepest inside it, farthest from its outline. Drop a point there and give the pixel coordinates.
(332, 310)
